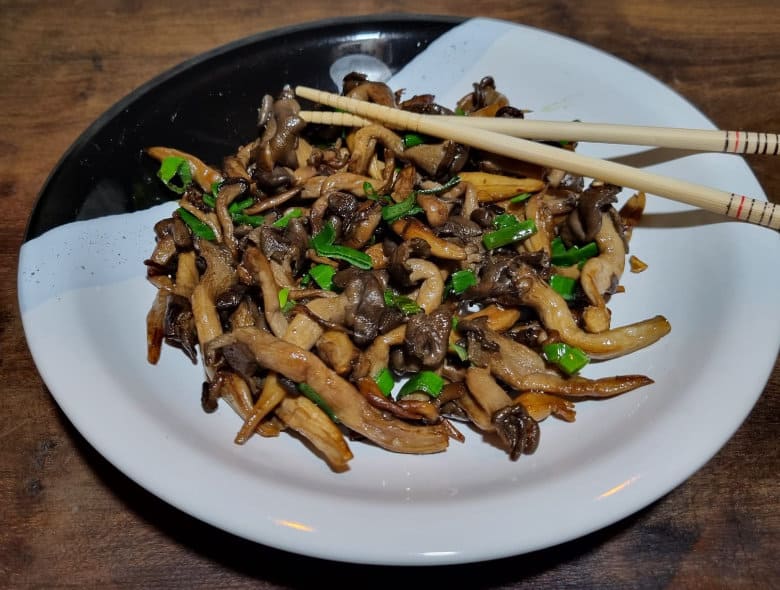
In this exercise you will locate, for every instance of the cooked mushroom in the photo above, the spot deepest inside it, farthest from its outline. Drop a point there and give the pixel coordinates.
(439, 160)
(600, 275)
(518, 430)
(427, 337)
(365, 144)
(422, 275)
(555, 314)
(584, 222)
(344, 400)
(257, 265)
(218, 277)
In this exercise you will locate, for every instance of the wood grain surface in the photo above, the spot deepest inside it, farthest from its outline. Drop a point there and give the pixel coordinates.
(70, 519)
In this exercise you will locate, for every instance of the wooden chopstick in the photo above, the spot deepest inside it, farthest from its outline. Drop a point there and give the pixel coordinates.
(704, 140)
(731, 205)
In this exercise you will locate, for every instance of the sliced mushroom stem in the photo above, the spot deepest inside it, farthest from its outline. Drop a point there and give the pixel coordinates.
(601, 273)
(270, 396)
(218, 278)
(258, 265)
(337, 350)
(496, 187)
(273, 202)
(431, 292)
(203, 174)
(344, 400)
(409, 228)
(303, 416)
(322, 186)
(377, 355)
(499, 319)
(488, 393)
(555, 315)
(186, 274)
(155, 327)
(542, 405)
(365, 141)
(582, 387)
(304, 331)
(236, 392)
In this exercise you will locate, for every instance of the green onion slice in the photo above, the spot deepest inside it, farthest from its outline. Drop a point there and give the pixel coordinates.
(510, 234)
(413, 139)
(324, 246)
(406, 304)
(284, 220)
(562, 256)
(423, 382)
(408, 206)
(440, 189)
(323, 275)
(238, 206)
(460, 351)
(461, 280)
(505, 220)
(385, 382)
(569, 359)
(243, 218)
(284, 299)
(520, 198)
(200, 229)
(565, 286)
(172, 168)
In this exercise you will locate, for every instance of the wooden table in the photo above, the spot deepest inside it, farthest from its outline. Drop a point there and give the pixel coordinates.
(69, 518)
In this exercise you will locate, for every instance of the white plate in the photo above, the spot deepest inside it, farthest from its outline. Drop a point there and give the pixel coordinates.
(84, 298)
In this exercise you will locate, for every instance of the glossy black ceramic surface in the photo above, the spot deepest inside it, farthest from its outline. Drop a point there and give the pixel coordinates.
(208, 106)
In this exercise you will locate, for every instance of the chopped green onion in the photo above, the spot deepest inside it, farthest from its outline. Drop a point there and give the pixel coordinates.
(238, 206)
(413, 139)
(405, 304)
(324, 246)
(505, 220)
(461, 352)
(243, 218)
(370, 191)
(323, 275)
(508, 235)
(440, 189)
(565, 286)
(285, 219)
(569, 359)
(562, 256)
(284, 299)
(211, 198)
(462, 280)
(520, 198)
(372, 194)
(408, 206)
(200, 229)
(425, 382)
(174, 167)
(385, 382)
(309, 392)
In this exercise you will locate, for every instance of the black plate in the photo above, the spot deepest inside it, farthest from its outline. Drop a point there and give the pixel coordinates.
(208, 105)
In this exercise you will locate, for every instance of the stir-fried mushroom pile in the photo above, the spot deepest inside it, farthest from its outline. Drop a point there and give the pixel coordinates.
(375, 285)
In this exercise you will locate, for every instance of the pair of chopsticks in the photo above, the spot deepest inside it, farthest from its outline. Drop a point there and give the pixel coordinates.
(507, 137)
